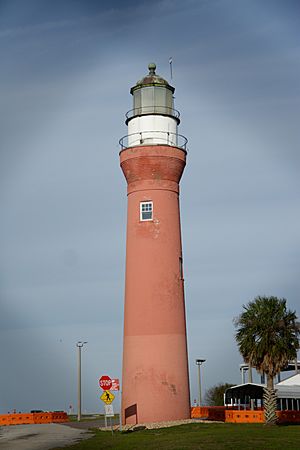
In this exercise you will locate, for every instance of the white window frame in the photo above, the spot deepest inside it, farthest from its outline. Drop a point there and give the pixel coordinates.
(148, 202)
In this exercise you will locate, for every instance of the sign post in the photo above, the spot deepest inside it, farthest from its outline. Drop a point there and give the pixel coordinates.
(115, 386)
(108, 384)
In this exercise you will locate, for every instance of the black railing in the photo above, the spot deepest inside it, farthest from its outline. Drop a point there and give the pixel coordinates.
(154, 109)
(154, 138)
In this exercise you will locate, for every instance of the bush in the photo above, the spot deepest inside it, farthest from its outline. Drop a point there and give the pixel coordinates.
(215, 395)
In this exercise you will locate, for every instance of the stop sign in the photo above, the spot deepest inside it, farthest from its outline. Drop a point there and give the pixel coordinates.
(105, 382)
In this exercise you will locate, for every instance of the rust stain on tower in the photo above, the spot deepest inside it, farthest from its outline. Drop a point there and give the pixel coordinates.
(153, 156)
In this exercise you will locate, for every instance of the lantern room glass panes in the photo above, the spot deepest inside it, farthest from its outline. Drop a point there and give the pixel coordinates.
(160, 99)
(146, 211)
(147, 97)
(137, 102)
(153, 99)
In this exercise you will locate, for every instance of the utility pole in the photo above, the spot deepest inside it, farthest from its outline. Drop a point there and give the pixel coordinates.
(199, 362)
(79, 345)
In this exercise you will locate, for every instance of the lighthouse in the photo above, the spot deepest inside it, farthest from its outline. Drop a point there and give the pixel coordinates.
(155, 381)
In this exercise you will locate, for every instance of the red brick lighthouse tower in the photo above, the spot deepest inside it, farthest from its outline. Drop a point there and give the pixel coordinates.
(155, 363)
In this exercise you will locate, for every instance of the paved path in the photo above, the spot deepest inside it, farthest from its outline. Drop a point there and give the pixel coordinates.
(39, 437)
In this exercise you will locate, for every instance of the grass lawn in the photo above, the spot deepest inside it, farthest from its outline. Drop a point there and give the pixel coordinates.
(196, 437)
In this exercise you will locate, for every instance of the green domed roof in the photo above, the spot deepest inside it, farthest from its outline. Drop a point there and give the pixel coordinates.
(152, 79)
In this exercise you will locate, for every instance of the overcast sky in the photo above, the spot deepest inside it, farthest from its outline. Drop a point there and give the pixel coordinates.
(66, 70)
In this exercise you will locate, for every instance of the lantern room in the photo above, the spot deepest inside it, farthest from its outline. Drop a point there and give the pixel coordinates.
(153, 119)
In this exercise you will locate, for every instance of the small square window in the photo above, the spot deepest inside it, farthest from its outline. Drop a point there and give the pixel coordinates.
(146, 211)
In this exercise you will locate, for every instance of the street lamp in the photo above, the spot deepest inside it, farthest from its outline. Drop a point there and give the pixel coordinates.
(198, 363)
(243, 369)
(79, 345)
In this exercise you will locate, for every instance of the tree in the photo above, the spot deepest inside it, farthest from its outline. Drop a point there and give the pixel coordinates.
(215, 395)
(267, 336)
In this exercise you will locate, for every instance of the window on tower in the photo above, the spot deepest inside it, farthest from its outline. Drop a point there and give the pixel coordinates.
(146, 211)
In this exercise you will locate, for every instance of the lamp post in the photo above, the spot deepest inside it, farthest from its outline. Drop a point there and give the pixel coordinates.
(199, 362)
(79, 345)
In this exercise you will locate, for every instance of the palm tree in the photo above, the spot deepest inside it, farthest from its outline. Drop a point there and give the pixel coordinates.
(267, 337)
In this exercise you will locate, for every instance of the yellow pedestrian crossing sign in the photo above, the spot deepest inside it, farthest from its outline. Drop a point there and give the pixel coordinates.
(107, 397)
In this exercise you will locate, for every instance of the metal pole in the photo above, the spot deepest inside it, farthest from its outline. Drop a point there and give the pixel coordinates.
(170, 62)
(199, 362)
(79, 345)
(199, 384)
(79, 383)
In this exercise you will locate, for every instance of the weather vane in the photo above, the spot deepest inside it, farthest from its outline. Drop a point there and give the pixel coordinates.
(170, 62)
